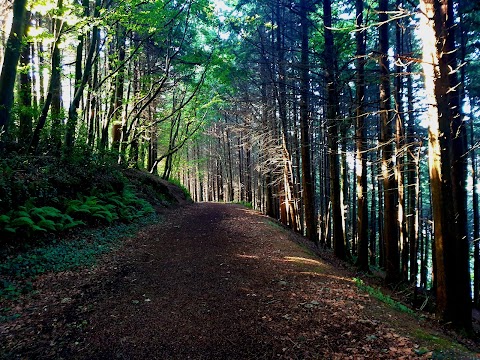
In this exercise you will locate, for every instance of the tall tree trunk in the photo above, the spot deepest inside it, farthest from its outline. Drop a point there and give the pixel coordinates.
(56, 111)
(332, 123)
(307, 183)
(25, 95)
(412, 168)
(74, 105)
(53, 97)
(231, 194)
(373, 218)
(400, 149)
(390, 229)
(9, 68)
(288, 183)
(361, 153)
(447, 164)
(476, 221)
(92, 101)
(464, 29)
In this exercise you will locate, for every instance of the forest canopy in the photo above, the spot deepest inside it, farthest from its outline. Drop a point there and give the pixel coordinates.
(354, 123)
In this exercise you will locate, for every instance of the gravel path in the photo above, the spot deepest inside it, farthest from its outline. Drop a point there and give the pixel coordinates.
(211, 281)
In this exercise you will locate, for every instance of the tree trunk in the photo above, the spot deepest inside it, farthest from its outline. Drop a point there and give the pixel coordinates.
(53, 96)
(413, 183)
(307, 184)
(373, 218)
(390, 228)
(55, 89)
(9, 68)
(332, 124)
(400, 147)
(74, 105)
(447, 163)
(25, 95)
(361, 154)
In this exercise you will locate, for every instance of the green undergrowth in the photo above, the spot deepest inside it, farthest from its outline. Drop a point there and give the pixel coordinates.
(43, 195)
(244, 203)
(18, 271)
(58, 214)
(29, 220)
(379, 295)
(440, 347)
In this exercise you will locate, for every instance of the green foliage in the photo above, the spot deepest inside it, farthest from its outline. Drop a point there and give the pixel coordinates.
(40, 195)
(377, 294)
(29, 219)
(245, 203)
(91, 208)
(49, 181)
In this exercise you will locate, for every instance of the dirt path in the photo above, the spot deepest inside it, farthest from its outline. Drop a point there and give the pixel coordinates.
(212, 281)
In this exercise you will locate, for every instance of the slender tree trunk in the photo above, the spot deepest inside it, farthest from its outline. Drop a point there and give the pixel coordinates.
(231, 194)
(412, 168)
(25, 95)
(361, 154)
(373, 218)
(400, 147)
(345, 187)
(55, 90)
(464, 30)
(307, 182)
(332, 123)
(476, 221)
(74, 105)
(52, 99)
(390, 230)
(9, 68)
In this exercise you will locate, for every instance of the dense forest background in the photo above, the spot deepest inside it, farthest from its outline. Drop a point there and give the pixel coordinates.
(354, 123)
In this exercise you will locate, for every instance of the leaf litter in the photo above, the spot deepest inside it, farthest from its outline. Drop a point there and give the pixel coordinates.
(164, 295)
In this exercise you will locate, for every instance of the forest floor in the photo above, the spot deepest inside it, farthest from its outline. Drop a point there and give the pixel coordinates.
(214, 281)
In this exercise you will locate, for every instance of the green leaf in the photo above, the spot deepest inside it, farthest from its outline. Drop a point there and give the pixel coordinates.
(38, 228)
(22, 214)
(22, 221)
(47, 224)
(47, 211)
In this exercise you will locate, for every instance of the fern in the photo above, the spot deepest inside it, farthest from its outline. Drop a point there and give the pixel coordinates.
(22, 213)
(22, 221)
(4, 219)
(47, 212)
(37, 228)
(47, 224)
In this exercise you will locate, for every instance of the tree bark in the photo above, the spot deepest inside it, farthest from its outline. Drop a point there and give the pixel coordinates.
(9, 68)
(307, 184)
(53, 96)
(55, 89)
(390, 228)
(74, 105)
(447, 147)
(361, 154)
(25, 95)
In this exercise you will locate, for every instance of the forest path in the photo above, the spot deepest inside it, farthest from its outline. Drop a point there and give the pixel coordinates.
(211, 281)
